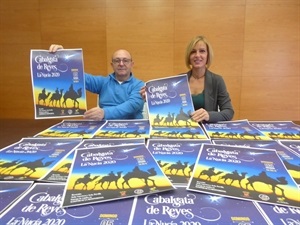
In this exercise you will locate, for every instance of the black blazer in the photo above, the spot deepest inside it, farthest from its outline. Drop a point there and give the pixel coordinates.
(217, 101)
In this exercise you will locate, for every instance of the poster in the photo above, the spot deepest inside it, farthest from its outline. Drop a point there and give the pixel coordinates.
(72, 128)
(184, 207)
(98, 143)
(32, 158)
(254, 174)
(289, 158)
(236, 130)
(138, 128)
(278, 130)
(292, 145)
(58, 84)
(170, 105)
(10, 191)
(280, 215)
(116, 172)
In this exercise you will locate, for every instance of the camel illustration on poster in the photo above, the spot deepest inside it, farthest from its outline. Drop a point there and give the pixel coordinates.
(278, 130)
(248, 173)
(290, 159)
(176, 157)
(111, 173)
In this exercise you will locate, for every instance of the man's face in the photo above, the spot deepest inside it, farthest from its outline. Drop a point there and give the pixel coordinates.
(122, 64)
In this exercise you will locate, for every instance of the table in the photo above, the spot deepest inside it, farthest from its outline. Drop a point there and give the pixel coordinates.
(13, 130)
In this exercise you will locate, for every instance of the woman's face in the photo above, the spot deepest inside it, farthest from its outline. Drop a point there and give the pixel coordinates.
(198, 56)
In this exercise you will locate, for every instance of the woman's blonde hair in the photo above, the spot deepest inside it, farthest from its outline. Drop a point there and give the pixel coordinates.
(191, 46)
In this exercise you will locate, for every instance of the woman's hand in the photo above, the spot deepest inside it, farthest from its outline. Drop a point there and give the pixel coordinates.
(200, 115)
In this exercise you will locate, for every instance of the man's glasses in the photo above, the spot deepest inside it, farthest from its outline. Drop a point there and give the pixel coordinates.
(118, 61)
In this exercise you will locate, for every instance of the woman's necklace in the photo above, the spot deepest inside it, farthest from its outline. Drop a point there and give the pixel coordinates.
(197, 78)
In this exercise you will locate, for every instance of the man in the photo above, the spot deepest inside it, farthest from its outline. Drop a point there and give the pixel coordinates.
(119, 96)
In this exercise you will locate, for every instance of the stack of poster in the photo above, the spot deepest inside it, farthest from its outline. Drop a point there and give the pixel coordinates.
(169, 108)
(232, 182)
(176, 157)
(33, 158)
(254, 174)
(58, 84)
(111, 173)
(237, 130)
(278, 130)
(72, 128)
(124, 129)
(41, 204)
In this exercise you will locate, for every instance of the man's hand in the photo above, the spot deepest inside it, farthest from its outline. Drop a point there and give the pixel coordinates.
(94, 114)
(54, 47)
(143, 93)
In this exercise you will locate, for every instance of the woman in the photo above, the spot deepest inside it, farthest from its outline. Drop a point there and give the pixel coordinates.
(211, 100)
